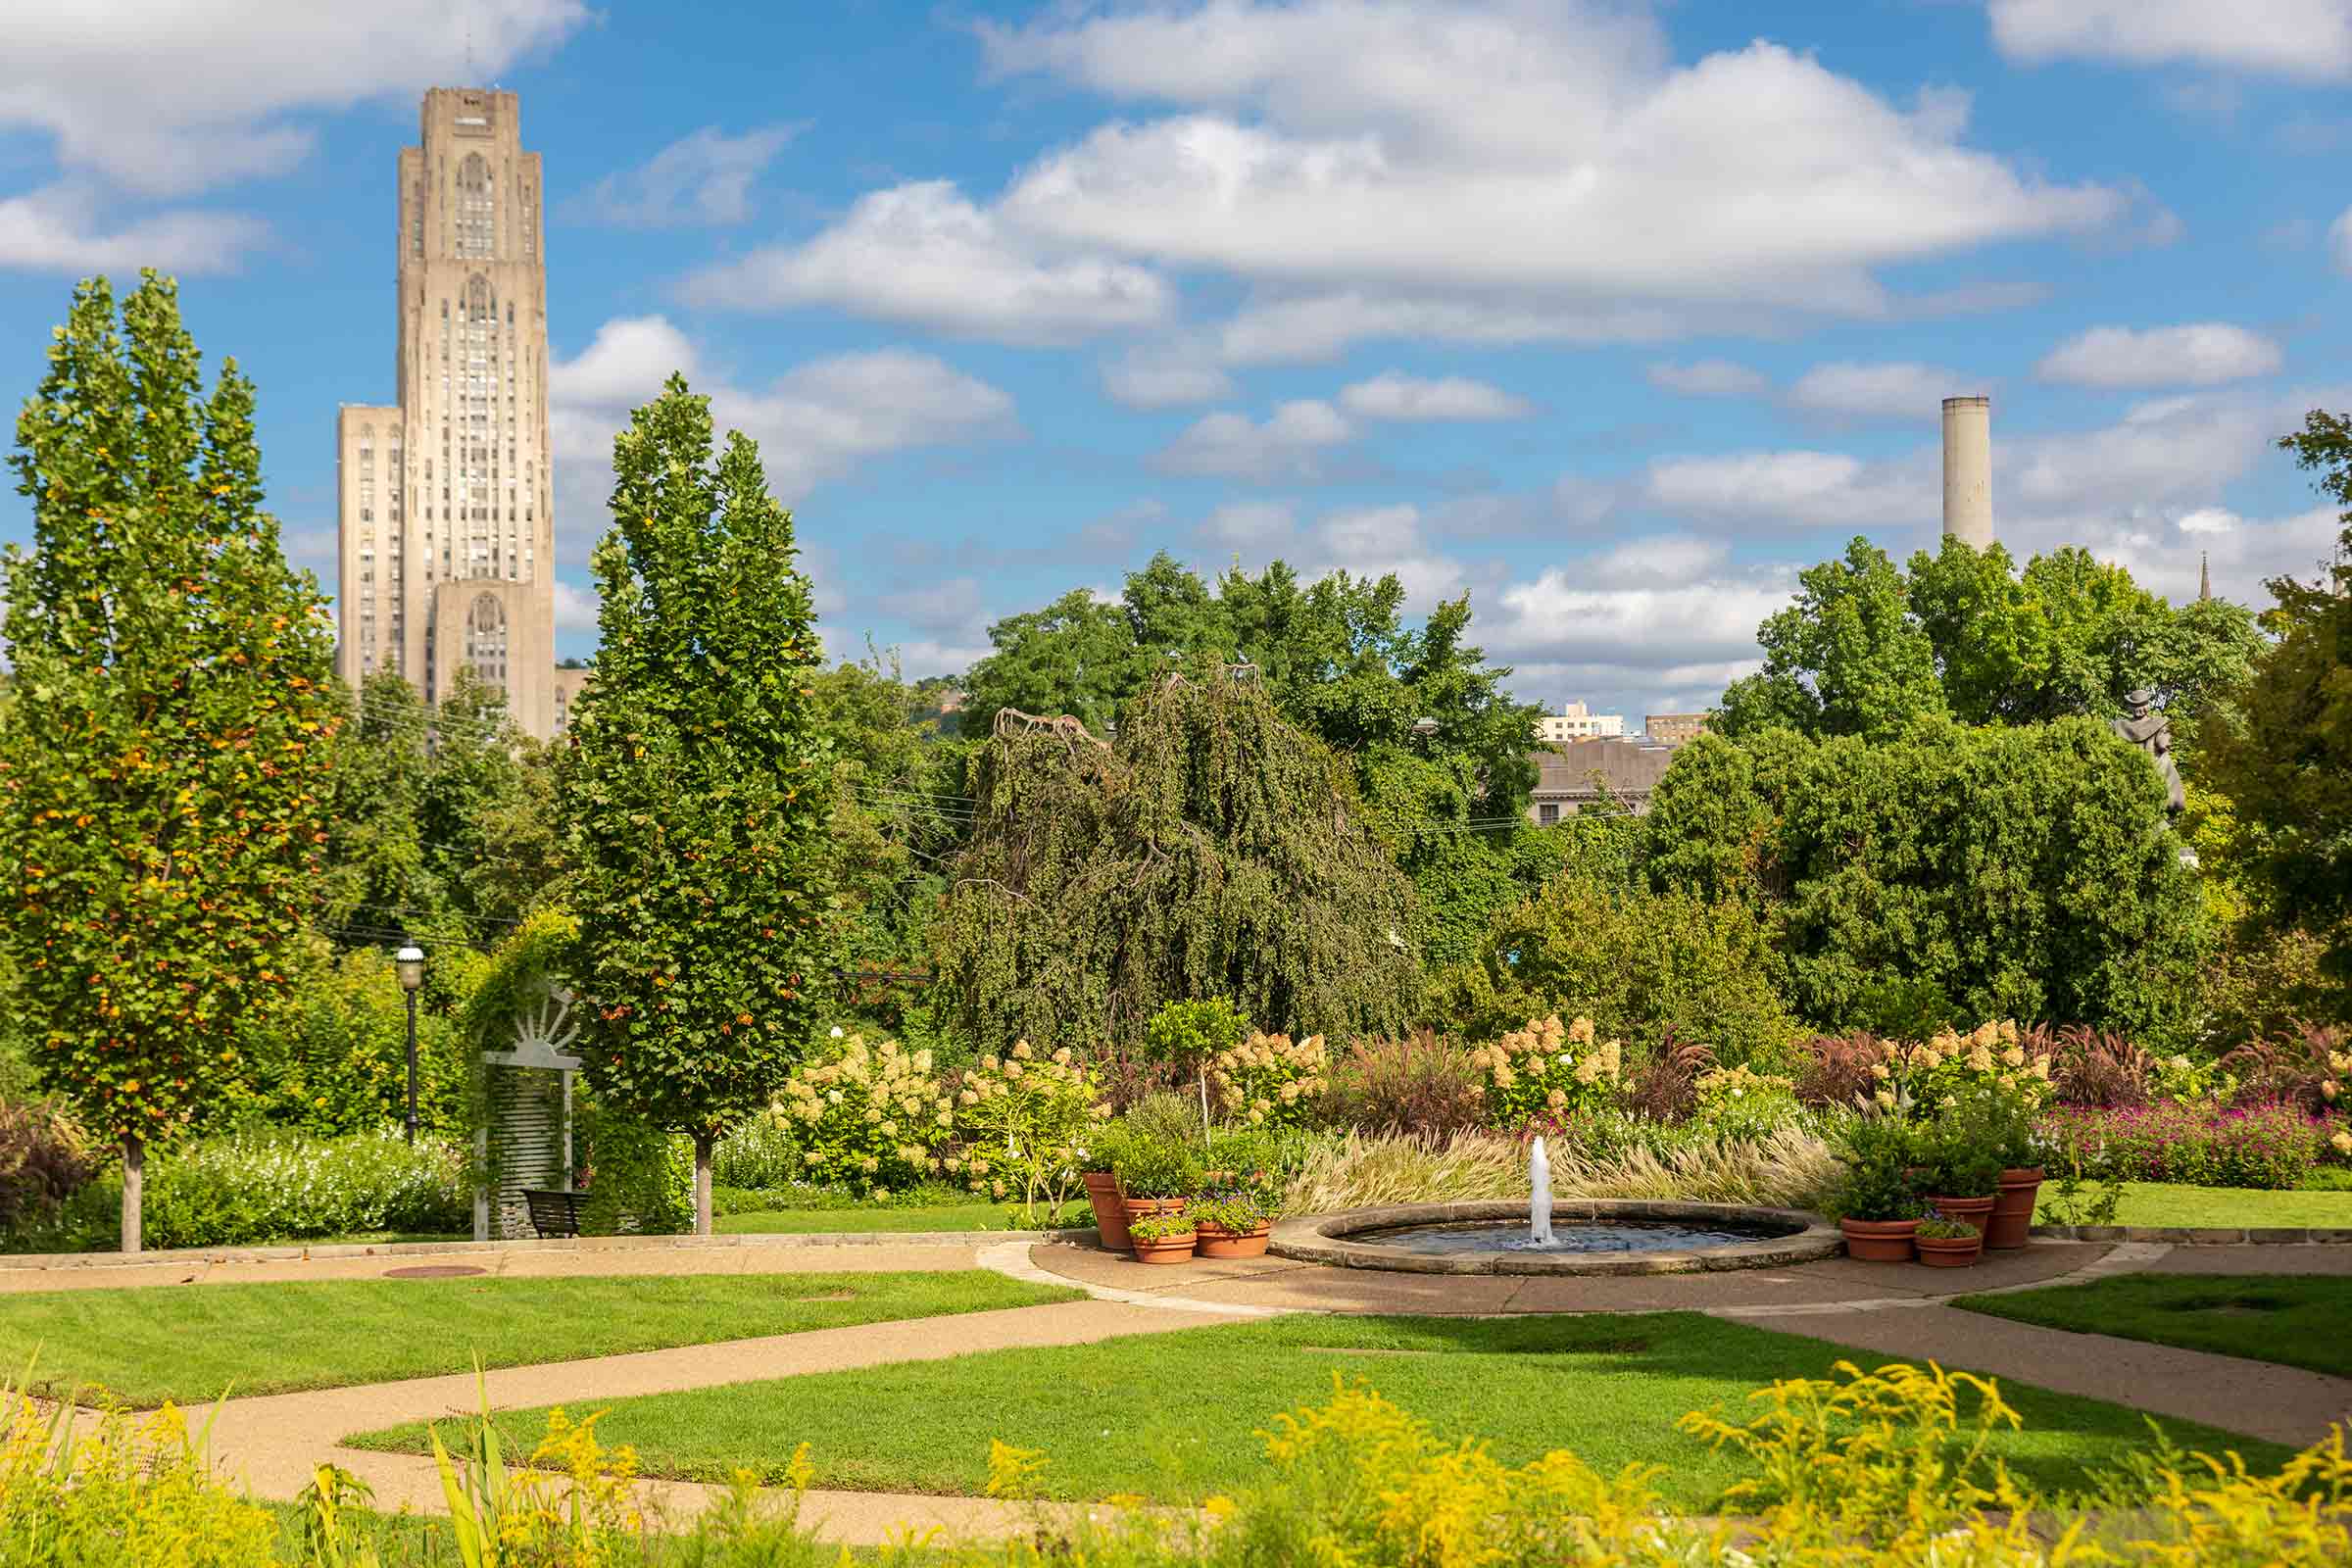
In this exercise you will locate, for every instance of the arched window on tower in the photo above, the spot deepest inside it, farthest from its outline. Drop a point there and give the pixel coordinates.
(486, 640)
(475, 209)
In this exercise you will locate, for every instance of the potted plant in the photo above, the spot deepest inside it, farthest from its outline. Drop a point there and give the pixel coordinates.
(1153, 1172)
(1161, 1238)
(2010, 1138)
(1877, 1207)
(1231, 1222)
(1948, 1243)
(1097, 1163)
(1962, 1171)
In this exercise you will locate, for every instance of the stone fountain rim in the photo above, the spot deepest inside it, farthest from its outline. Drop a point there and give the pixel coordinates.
(1325, 1237)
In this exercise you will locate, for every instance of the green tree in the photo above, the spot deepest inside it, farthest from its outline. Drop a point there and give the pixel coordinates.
(701, 791)
(1077, 655)
(378, 885)
(2280, 749)
(1217, 853)
(1847, 658)
(163, 771)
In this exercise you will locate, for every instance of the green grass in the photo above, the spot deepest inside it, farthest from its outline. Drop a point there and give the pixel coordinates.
(807, 1221)
(1174, 1416)
(2171, 1203)
(2292, 1320)
(147, 1345)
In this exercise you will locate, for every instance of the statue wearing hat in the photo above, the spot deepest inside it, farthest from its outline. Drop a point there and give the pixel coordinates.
(2150, 731)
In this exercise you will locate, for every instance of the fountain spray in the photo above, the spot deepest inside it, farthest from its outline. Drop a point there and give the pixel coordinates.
(1538, 1203)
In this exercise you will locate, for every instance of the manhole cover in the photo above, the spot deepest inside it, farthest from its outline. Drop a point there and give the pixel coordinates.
(434, 1271)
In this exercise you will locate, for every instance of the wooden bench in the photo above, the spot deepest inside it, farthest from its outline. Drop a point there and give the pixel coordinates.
(555, 1213)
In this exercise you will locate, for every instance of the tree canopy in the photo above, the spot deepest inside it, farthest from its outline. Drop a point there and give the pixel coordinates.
(1216, 851)
(703, 790)
(164, 768)
(1867, 646)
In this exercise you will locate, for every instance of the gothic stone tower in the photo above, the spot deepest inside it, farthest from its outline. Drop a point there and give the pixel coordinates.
(447, 527)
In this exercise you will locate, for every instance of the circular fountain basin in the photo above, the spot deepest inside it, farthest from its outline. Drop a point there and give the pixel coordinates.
(1589, 1237)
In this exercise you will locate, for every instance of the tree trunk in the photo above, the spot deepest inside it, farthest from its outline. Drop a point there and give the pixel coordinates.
(134, 1180)
(703, 1142)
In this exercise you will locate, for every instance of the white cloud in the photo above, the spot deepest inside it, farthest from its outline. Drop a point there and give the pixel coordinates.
(171, 98)
(1891, 391)
(1284, 447)
(1164, 377)
(1797, 489)
(1706, 378)
(1393, 395)
(923, 255)
(576, 610)
(1262, 527)
(2339, 242)
(2209, 520)
(949, 604)
(2199, 354)
(2307, 39)
(58, 228)
(705, 179)
(817, 421)
(1397, 170)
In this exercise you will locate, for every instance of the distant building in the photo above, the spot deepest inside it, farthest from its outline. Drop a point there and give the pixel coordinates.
(1672, 729)
(1582, 773)
(1574, 722)
(570, 679)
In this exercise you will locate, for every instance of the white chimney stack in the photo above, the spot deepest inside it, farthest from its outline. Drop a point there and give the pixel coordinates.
(1968, 470)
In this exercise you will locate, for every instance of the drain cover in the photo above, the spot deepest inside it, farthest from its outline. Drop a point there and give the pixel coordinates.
(434, 1271)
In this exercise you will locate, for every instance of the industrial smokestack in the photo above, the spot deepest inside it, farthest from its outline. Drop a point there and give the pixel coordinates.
(1968, 470)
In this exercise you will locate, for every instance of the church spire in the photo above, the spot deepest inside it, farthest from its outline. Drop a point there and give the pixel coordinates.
(2204, 576)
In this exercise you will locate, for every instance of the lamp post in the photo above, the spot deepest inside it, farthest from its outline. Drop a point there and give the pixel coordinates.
(410, 962)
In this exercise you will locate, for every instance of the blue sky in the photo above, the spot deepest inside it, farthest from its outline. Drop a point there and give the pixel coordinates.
(1612, 316)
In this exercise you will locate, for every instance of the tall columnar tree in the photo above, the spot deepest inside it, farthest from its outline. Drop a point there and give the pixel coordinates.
(700, 790)
(163, 771)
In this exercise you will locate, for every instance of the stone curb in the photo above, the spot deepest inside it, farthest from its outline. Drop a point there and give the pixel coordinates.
(1323, 1239)
(2202, 1235)
(1012, 1260)
(298, 1254)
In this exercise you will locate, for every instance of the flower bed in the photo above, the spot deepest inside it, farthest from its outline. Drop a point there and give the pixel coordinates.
(2266, 1146)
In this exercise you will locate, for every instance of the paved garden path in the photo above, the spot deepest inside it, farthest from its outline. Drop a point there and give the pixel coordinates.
(275, 1442)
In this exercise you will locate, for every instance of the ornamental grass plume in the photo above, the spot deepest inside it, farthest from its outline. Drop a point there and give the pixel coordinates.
(1789, 1168)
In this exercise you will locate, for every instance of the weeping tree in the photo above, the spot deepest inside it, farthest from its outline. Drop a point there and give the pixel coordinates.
(702, 789)
(1215, 852)
(165, 761)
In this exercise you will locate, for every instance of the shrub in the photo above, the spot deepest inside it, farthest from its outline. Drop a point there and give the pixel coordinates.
(1665, 1087)
(118, 1491)
(2099, 1069)
(2271, 1145)
(1955, 1161)
(761, 1154)
(1879, 1154)
(1640, 964)
(1547, 1069)
(1422, 1083)
(1990, 1060)
(43, 1161)
(640, 1177)
(867, 1118)
(333, 1058)
(1157, 1167)
(1023, 1119)
(1189, 1033)
(1160, 1227)
(252, 1188)
(1270, 1080)
(2308, 1065)
(1738, 1104)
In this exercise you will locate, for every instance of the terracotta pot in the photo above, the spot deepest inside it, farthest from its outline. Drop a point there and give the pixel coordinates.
(1217, 1242)
(1166, 1250)
(1878, 1241)
(1949, 1252)
(1977, 1211)
(1132, 1209)
(2012, 1207)
(1111, 1217)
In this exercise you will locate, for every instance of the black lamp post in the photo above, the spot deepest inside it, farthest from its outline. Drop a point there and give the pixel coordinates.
(410, 962)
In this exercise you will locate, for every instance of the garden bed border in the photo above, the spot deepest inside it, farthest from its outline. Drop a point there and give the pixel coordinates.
(1323, 1239)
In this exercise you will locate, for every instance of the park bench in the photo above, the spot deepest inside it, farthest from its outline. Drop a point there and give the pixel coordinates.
(553, 1214)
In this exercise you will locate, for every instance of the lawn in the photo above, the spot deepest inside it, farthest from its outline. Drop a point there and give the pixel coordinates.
(2293, 1319)
(2171, 1203)
(1175, 1417)
(807, 1221)
(146, 1346)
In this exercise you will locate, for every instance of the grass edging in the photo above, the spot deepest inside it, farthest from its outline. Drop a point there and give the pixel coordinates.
(298, 1252)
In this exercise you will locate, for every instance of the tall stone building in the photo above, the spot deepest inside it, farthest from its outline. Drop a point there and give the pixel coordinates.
(447, 515)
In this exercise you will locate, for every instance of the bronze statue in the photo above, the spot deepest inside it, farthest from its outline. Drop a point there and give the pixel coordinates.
(2150, 731)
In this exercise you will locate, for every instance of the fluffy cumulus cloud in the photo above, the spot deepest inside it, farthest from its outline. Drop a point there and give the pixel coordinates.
(1288, 444)
(1889, 391)
(2309, 41)
(815, 422)
(1164, 376)
(923, 255)
(1706, 378)
(173, 98)
(2204, 354)
(1796, 489)
(63, 229)
(1393, 395)
(705, 179)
